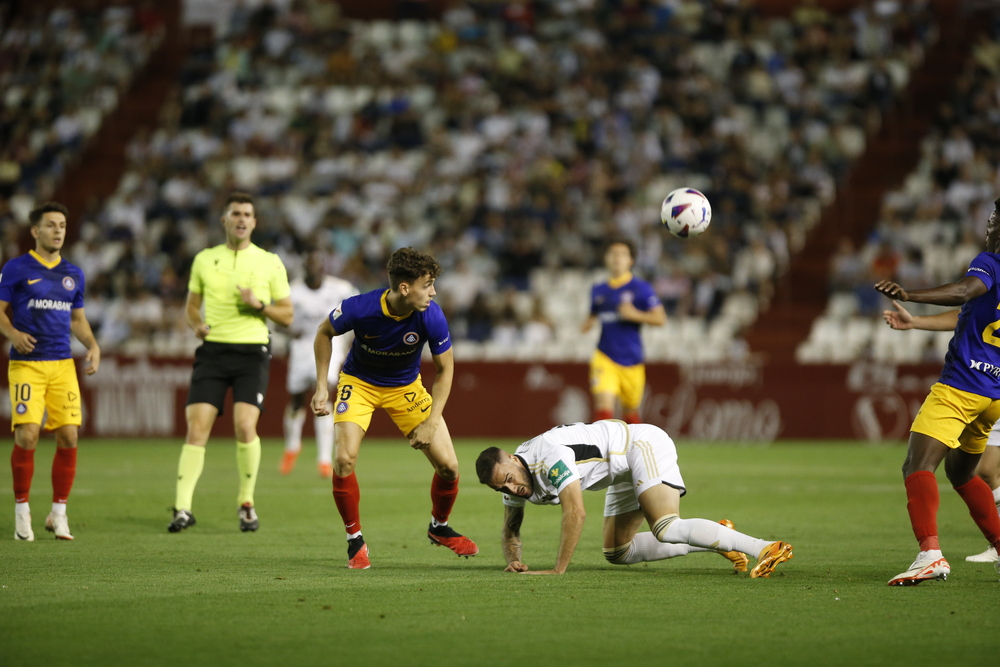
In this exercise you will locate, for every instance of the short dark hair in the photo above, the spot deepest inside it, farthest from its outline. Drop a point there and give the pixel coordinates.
(238, 198)
(622, 241)
(35, 217)
(487, 462)
(407, 265)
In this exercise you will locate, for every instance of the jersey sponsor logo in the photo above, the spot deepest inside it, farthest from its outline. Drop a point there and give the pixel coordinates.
(36, 280)
(386, 353)
(342, 407)
(371, 336)
(69, 283)
(446, 339)
(49, 304)
(336, 312)
(976, 268)
(409, 396)
(411, 338)
(627, 297)
(559, 473)
(21, 408)
(985, 367)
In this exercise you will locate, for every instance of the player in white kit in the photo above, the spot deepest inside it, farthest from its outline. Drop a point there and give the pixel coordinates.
(313, 296)
(637, 464)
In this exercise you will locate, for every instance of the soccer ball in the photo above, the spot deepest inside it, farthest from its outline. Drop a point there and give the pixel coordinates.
(686, 212)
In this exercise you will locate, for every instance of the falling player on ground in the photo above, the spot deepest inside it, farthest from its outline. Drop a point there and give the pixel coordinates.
(313, 297)
(955, 420)
(637, 464)
(621, 305)
(45, 293)
(989, 465)
(383, 370)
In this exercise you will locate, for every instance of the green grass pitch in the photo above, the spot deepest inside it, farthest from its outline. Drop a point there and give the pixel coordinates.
(126, 592)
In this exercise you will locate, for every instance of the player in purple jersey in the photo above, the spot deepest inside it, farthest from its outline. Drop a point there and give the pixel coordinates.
(383, 370)
(956, 418)
(989, 465)
(621, 306)
(45, 293)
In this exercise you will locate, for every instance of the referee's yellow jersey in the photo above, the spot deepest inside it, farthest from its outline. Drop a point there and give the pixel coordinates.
(215, 274)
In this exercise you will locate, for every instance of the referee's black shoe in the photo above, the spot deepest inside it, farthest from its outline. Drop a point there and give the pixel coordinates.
(248, 518)
(182, 519)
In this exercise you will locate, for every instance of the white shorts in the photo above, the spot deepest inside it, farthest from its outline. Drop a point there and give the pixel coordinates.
(652, 460)
(302, 364)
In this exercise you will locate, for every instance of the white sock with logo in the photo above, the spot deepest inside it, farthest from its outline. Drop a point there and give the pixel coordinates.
(293, 430)
(646, 548)
(324, 438)
(21, 508)
(59, 508)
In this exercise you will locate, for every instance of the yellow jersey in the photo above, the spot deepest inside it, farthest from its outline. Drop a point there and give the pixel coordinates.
(215, 274)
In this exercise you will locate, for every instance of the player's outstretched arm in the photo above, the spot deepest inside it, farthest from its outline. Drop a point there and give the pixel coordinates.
(952, 294)
(80, 328)
(573, 516)
(510, 538)
(901, 319)
(323, 350)
(192, 314)
(22, 342)
(421, 436)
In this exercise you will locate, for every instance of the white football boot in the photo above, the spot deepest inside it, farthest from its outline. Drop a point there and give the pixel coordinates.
(58, 524)
(22, 527)
(988, 556)
(928, 565)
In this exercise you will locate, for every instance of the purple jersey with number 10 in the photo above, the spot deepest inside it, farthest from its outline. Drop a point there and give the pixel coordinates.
(386, 349)
(973, 360)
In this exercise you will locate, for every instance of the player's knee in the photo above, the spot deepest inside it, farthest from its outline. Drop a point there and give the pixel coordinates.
(66, 439)
(618, 555)
(26, 438)
(447, 471)
(343, 465)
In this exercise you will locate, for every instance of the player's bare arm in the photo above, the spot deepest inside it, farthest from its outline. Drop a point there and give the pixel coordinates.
(421, 436)
(952, 294)
(22, 342)
(901, 319)
(192, 313)
(281, 311)
(656, 317)
(323, 350)
(573, 516)
(80, 328)
(510, 538)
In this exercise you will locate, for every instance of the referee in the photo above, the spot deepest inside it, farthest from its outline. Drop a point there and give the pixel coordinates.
(241, 287)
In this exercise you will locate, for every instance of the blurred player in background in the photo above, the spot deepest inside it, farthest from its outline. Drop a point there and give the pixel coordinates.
(313, 297)
(383, 370)
(955, 420)
(637, 464)
(241, 286)
(989, 465)
(621, 305)
(45, 293)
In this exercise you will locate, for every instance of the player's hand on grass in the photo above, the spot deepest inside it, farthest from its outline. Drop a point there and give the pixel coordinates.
(319, 401)
(892, 290)
(516, 566)
(22, 342)
(628, 312)
(899, 319)
(92, 360)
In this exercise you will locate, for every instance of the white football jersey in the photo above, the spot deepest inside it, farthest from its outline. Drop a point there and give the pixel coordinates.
(313, 306)
(594, 453)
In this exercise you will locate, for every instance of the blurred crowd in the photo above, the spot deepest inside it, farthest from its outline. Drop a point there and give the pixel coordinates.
(62, 71)
(512, 141)
(933, 226)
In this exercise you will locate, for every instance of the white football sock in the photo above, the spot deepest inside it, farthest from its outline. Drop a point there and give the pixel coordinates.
(21, 508)
(996, 495)
(59, 508)
(707, 534)
(645, 548)
(324, 438)
(293, 429)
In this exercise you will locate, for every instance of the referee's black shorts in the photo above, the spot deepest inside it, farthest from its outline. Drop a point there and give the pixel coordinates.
(219, 366)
